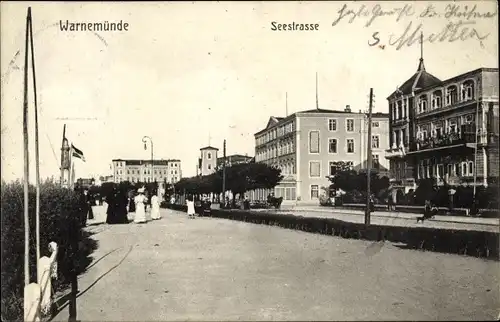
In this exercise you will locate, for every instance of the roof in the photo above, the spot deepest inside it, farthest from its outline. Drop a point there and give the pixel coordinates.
(140, 162)
(421, 79)
(209, 148)
(235, 158)
(273, 121)
(461, 76)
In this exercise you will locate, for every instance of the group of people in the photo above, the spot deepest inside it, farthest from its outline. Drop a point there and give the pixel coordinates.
(120, 203)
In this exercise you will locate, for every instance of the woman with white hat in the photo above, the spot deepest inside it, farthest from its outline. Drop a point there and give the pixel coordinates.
(140, 210)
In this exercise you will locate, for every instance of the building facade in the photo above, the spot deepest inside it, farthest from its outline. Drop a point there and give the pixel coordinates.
(146, 171)
(446, 131)
(305, 145)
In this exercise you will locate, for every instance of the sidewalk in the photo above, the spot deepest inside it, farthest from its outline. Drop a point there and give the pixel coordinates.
(400, 215)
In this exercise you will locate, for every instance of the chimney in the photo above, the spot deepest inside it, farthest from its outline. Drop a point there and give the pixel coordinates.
(348, 108)
(359, 111)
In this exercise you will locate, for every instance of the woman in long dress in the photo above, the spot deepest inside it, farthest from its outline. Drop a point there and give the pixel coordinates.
(121, 206)
(155, 207)
(140, 211)
(190, 207)
(111, 210)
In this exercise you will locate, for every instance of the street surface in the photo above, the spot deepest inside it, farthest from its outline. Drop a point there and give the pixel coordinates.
(393, 218)
(215, 269)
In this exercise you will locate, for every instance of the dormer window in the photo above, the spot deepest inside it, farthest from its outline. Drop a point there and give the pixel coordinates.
(422, 104)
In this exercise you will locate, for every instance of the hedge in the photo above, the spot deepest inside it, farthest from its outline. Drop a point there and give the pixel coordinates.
(464, 242)
(57, 208)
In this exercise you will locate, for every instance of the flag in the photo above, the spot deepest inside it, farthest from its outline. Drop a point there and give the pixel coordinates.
(77, 153)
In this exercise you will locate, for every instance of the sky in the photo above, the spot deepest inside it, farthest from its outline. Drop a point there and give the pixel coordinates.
(192, 73)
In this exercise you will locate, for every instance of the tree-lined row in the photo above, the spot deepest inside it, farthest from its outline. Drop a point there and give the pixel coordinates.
(240, 178)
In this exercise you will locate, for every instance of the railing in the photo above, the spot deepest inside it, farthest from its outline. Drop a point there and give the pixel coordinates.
(38, 296)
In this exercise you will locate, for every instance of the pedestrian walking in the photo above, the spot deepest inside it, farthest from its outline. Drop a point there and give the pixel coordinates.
(190, 207)
(155, 206)
(140, 210)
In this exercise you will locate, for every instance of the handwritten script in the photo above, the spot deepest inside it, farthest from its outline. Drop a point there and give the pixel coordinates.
(460, 23)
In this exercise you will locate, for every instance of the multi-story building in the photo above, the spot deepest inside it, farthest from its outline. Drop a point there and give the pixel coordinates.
(234, 159)
(433, 125)
(147, 171)
(306, 144)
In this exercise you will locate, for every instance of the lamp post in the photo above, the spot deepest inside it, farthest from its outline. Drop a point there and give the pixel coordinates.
(144, 140)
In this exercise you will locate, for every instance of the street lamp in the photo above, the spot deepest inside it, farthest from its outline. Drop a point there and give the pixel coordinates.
(144, 140)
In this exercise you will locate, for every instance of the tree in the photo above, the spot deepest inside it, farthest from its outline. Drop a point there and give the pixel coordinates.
(240, 178)
(348, 180)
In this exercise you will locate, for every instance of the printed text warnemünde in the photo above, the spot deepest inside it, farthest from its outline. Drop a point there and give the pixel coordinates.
(93, 26)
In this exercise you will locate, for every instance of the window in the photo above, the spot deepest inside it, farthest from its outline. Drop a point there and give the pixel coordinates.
(467, 92)
(451, 95)
(350, 125)
(375, 124)
(314, 142)
(438, 132)
(350, 145)
(471, 168)
(451, 170)
(314, 169)
(332, 125)
(422, 104)
(333, 168)
(209, 167)
(314, 191)
(375, 161)
(464, 169)
(332, 146)
(375, 142)
(452, 127)
(440, 171)
(436, 99)
(209, 155)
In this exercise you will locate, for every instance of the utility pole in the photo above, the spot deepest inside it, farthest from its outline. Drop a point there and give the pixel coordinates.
(26, 160)
(477, 132)
(224, 173)
(369, 160)
(37, 154)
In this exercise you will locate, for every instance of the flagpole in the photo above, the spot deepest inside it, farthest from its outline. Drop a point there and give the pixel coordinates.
(26, 160)
(37, 154)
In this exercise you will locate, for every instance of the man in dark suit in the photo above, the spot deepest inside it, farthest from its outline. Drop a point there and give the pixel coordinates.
(86, 207)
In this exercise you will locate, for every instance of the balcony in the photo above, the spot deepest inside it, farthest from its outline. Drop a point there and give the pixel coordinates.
(395, 152)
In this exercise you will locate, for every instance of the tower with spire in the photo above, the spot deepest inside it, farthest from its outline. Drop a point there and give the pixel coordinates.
(401, 122)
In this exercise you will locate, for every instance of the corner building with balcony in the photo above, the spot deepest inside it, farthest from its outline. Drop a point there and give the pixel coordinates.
(444, 130)
(305, 145)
